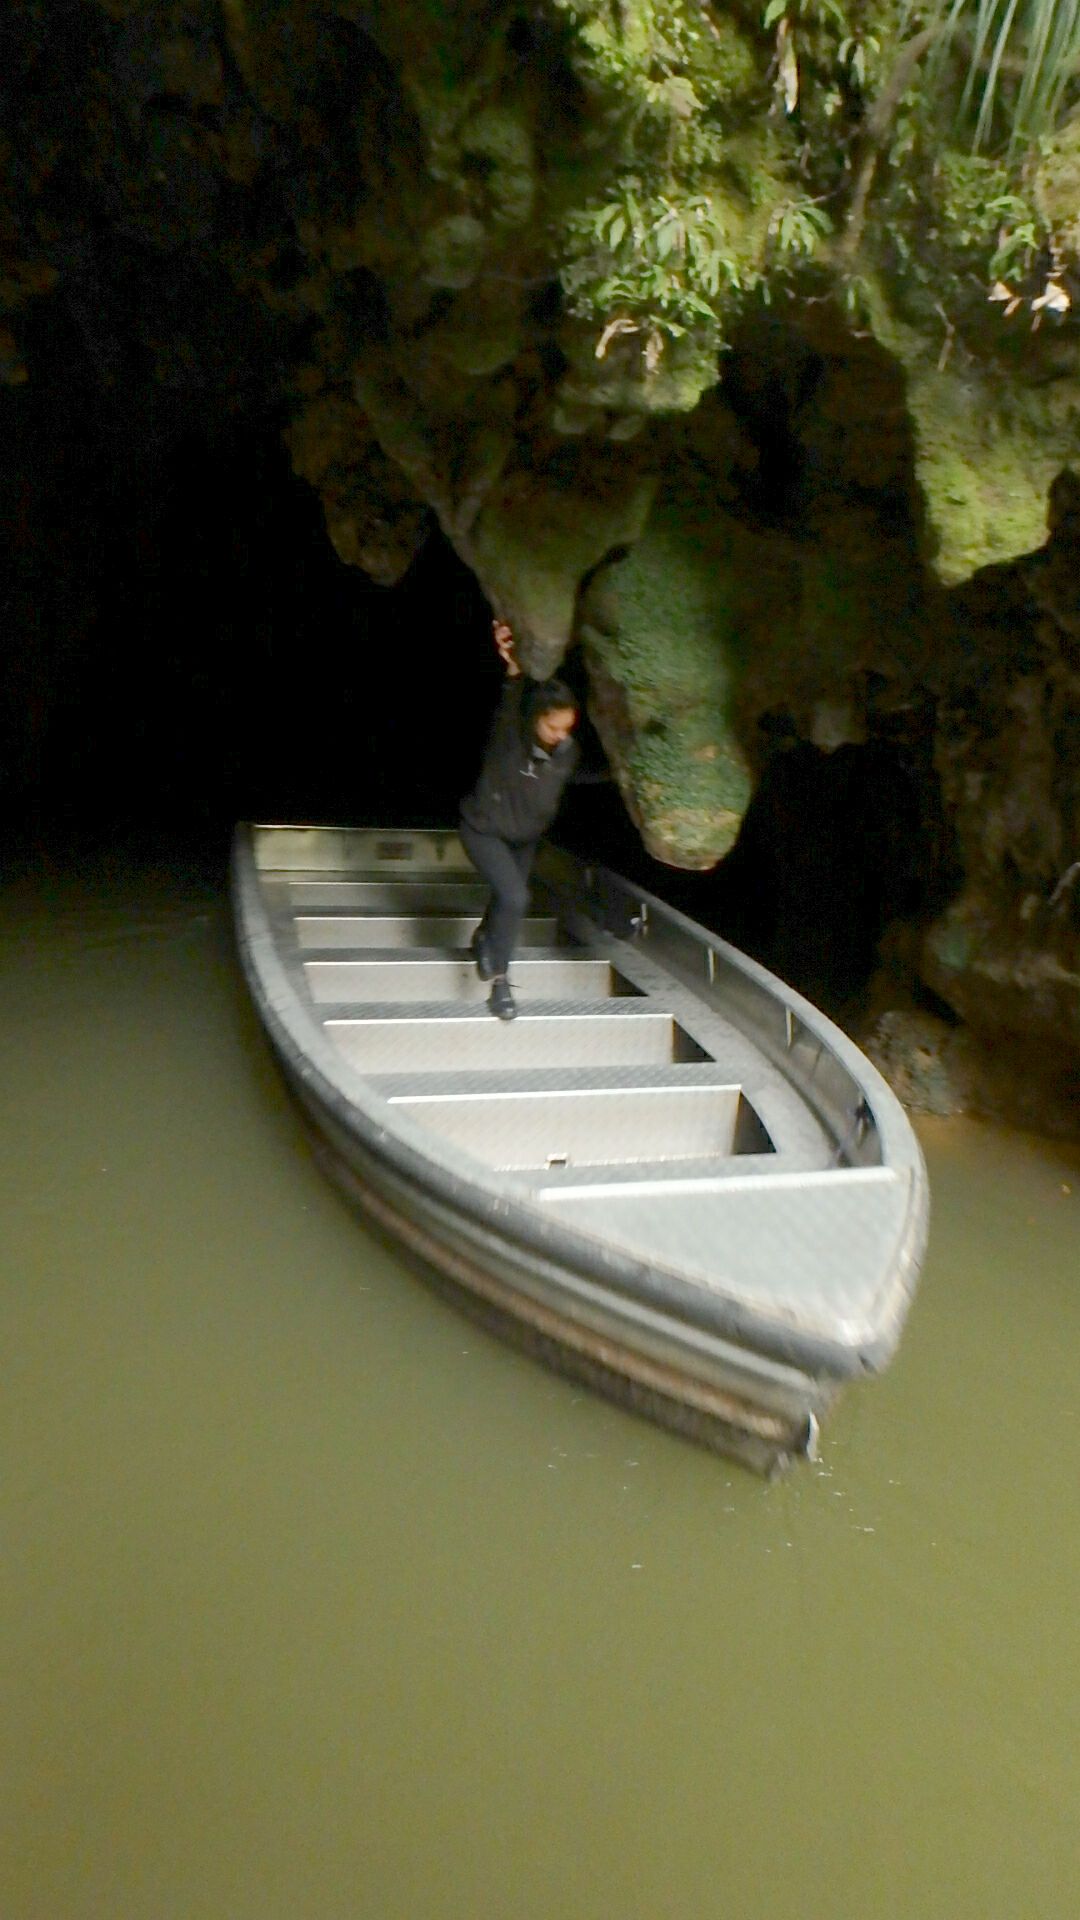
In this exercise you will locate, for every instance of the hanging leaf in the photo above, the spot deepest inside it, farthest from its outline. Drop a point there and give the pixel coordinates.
(788, 67)
(671, 236)
(612, 330)
(679, 96)
(798, 226)
(1053, 298)
(710, 272)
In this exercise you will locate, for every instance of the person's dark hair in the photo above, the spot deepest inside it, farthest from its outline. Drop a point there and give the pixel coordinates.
(545, 696)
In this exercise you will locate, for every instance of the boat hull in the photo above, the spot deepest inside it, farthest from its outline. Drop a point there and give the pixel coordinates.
(724, 1409)
(624, 1324)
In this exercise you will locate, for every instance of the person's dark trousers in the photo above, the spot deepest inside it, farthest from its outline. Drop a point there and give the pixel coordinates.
(505, 865)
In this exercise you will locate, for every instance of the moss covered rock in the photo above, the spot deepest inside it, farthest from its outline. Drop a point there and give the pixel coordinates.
(1004, 952)
(664, 675)
(668, 628)
(534, 542)
(987, 444)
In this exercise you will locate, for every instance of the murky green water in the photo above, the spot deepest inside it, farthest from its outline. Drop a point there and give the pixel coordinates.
(316, 1604)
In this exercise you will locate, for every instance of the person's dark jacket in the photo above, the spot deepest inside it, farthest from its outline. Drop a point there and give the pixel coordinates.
(520, 786)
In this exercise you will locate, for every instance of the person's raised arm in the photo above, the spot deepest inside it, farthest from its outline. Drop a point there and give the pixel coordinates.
(504, 644)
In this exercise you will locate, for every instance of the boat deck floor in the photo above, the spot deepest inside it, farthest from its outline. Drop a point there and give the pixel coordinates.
(612, 1076)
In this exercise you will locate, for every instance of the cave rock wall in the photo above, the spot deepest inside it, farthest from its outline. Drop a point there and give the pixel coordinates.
(682, 328)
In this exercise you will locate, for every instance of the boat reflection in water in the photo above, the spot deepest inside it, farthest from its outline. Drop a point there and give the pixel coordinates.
(670, 1175)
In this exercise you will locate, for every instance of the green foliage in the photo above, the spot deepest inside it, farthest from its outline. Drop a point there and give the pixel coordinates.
(990, 225)
(1020, 61)
(661, 264)
(1018, 238)
(976, 200)
(962, 248)
(670, 240)
(798, 227)
(858, 300)
(634, 49)
(855, 53)
(1055, 187)
(825, 63)
(824, 12)
(967, 234)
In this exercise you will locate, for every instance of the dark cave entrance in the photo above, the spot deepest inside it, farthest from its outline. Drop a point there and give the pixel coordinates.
(195, 651)
(835, 847)
(293, 684)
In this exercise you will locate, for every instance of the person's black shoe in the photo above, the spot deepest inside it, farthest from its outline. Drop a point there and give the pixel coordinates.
(501, 1000)
(478, 947)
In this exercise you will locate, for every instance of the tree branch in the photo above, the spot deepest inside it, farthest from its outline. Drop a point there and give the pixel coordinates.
(878, 124)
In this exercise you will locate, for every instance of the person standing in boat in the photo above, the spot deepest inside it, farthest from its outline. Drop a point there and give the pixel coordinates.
(530, 757)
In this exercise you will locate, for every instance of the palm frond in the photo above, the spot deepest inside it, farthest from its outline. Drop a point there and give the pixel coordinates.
(1053, 60)
(1022, 58)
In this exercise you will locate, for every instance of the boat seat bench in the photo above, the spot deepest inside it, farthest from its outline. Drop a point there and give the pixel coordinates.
(391, 931)
(435, 976)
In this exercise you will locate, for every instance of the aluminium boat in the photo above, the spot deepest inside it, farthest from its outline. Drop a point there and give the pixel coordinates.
(671, 1176)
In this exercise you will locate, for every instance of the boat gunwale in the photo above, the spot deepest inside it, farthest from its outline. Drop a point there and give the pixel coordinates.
(900, 1149)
